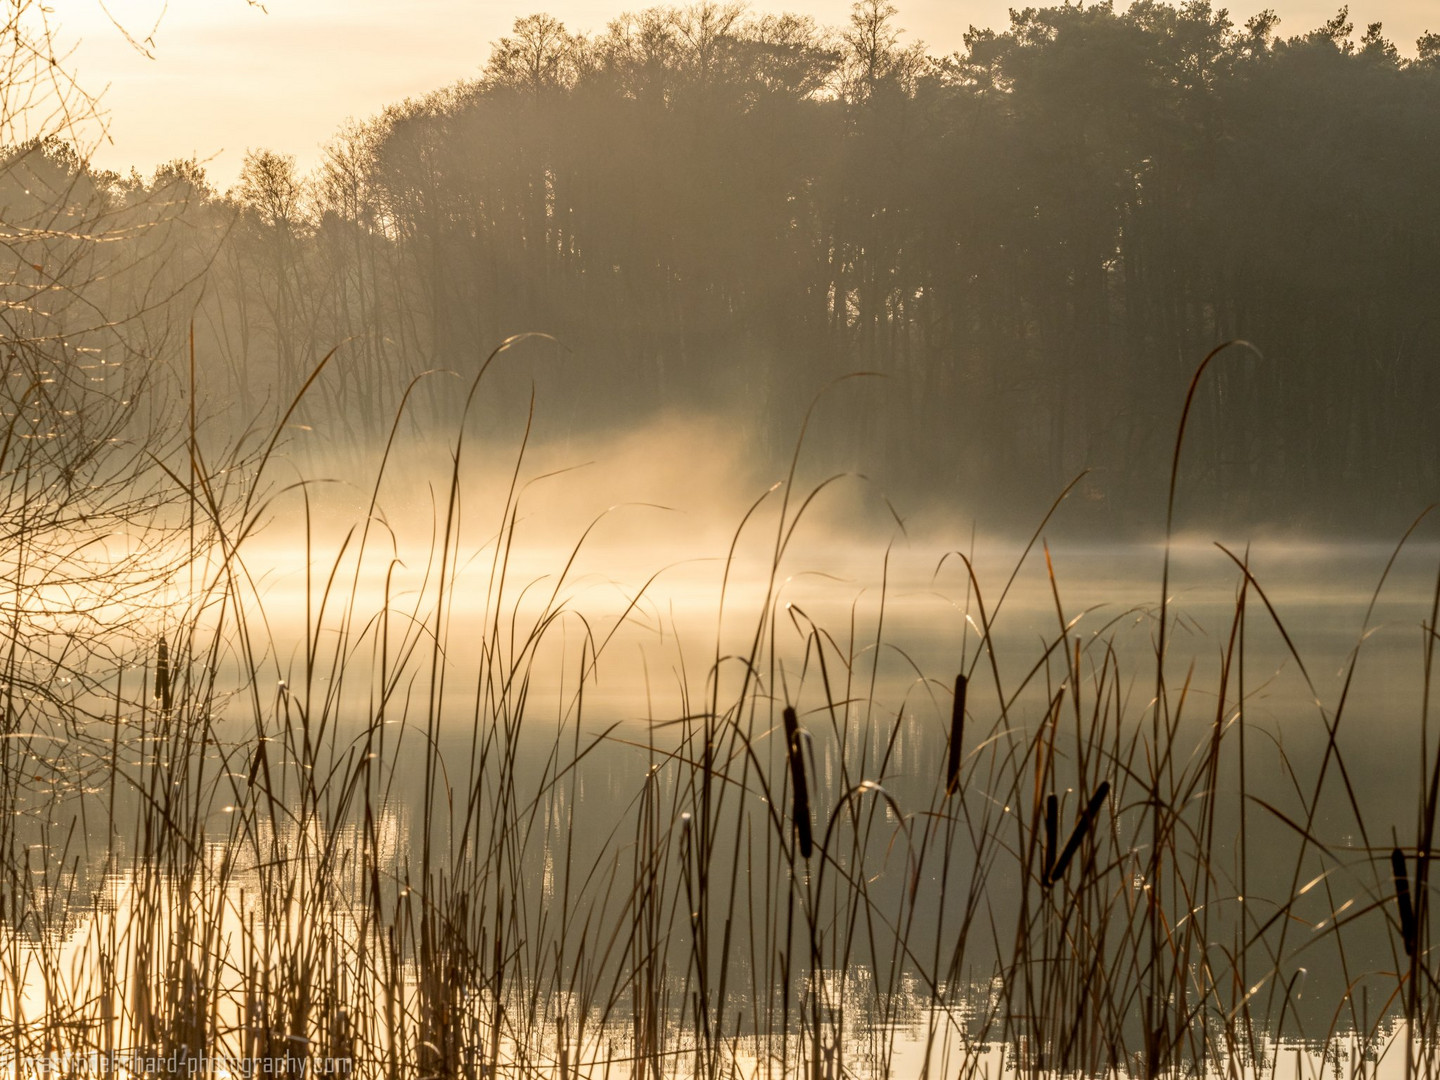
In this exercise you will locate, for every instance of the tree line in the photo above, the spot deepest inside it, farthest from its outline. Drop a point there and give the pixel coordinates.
(1036, 238)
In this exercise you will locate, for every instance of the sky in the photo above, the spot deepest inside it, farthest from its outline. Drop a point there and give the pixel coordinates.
(224, 76)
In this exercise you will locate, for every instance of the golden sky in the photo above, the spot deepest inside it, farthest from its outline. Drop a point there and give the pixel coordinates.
(225, 75)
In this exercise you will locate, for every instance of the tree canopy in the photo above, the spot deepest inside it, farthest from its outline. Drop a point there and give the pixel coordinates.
(1037, 237)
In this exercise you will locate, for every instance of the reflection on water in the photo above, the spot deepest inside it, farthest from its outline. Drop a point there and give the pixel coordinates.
(451, 812)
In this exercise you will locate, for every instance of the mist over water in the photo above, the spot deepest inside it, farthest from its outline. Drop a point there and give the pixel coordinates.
(637, 543)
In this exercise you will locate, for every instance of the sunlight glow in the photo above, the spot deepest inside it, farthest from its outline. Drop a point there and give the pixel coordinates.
(224, 76)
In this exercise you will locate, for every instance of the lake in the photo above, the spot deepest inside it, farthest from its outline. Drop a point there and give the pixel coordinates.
(433, 806)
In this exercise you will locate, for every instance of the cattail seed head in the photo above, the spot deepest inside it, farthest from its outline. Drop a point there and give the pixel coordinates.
(801, 792)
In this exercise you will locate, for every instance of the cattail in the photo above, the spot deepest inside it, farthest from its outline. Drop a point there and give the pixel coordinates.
(957, 732)
(797, 782)
(1052, 828)
(162, 676)
(1087, 819)
(1402, 900)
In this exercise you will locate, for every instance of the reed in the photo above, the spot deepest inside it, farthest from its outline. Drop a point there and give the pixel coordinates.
(382, 851)
(1402, 900)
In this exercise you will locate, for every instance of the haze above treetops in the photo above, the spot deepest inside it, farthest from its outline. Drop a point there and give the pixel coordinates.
(209, 79)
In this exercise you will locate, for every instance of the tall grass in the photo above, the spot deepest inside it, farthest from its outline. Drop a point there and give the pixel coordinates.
(1026, 865)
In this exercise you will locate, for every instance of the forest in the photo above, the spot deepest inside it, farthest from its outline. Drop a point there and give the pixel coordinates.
(1035, 239)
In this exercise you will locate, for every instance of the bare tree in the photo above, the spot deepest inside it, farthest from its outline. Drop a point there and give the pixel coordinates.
(94, 437)
(540, 55)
